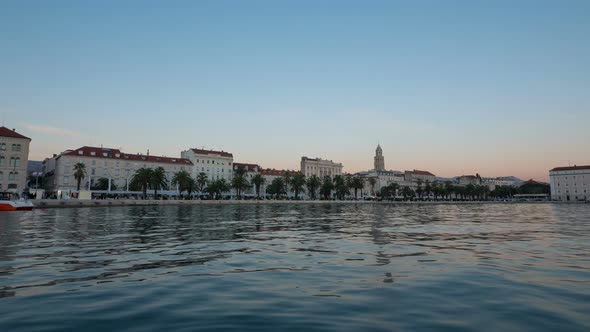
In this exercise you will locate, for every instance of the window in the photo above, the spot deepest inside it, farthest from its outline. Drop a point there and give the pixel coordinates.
(92, 153)
(93, 162)
(80, 152)
(93, 171)
(17, 162)
(66, 180)
(15, 147)
(3, 146)
(213, 161)
(1, 175)
(12, 162)
(2, 161)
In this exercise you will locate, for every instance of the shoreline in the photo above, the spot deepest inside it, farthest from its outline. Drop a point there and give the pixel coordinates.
(74, 203)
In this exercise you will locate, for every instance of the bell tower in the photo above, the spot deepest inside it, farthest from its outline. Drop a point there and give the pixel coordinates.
(379, 163)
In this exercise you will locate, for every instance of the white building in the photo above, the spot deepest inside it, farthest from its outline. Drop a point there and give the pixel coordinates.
(106, 163)
(14, 155)
(415, 175)
(492, 183)
(570, 183)
(320, 167)
(216, 164)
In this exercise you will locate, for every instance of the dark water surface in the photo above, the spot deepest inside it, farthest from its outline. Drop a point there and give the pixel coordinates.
(297, 267)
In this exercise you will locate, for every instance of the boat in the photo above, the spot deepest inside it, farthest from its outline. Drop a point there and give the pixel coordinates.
(9, 202)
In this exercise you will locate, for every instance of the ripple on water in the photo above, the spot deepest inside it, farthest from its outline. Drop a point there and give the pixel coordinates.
(489, 267)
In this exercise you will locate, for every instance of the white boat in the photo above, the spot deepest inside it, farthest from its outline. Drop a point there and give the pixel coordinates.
(8, 203)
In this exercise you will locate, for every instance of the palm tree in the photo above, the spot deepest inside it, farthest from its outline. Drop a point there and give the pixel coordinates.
(201, 181)
(419, 189)
(449, 188)
(217, 187)
(340, 186)
(427, 189)
(239, 182)
(297, 184)
(312, 184)
(141, 179)
(372, 182)
(287, 182)
(79, 173)
(407, 192)
(277, 187)
(356, 184)
(394, 187)
(258, 180)
(327, 187)
(181, 179)
(158, 180)
(103, 184)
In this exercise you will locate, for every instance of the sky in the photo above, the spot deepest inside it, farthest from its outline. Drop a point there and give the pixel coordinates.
(454, 87)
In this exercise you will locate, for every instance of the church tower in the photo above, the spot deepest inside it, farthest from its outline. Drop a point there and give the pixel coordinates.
(379, 160)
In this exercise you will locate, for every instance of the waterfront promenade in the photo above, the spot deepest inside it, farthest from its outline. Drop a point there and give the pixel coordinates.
(72, 203)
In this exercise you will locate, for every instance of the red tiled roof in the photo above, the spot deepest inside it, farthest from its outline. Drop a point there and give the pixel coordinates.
(5, 132)
(117, 154)
(418, 172)
(248, 167)
(570, 168)
(218, 153)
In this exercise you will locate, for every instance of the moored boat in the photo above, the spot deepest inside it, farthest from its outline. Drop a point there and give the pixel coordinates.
(8, 203)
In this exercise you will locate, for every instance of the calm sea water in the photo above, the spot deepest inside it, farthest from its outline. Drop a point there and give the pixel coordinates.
(297, 267)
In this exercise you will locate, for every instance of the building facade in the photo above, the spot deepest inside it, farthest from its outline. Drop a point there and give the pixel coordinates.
(106, 163)
(14, 156)
(417, 175)
(320, 167)
(379, 160)
(570, 183)
(216, 164)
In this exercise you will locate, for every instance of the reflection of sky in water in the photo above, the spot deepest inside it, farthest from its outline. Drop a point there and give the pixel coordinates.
(520, 267)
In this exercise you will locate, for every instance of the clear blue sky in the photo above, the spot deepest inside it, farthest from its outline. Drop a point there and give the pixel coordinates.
(454, 87)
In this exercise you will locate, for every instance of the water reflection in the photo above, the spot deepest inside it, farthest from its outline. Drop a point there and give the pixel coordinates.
(283, 261)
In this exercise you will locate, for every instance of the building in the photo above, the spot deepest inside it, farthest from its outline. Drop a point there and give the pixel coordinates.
(216, 164)
(570, 183)
(465, 180)
(270, 174)
(492, 183)
(14, 156)
(382, 179)
(320, 167)
(417, 175)
(379, 160)
(106, 163)
(250, 171)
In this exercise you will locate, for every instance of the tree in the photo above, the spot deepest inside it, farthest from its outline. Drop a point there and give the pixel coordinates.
(217, 187)
(326, 187)
(182, 179)
(407, 192)
(449, 188)
(201, 181)
(158, 180)
(287, 182)
(312, 184)
(103, 184)
(258, 180)
(79, 173)
(356, 184)
(419, 189)
(141, 179)
(427, 189)
(239, 181)
(277, 187)
(372, 182)
(297, 184)
(341, 187)
(470, 191)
